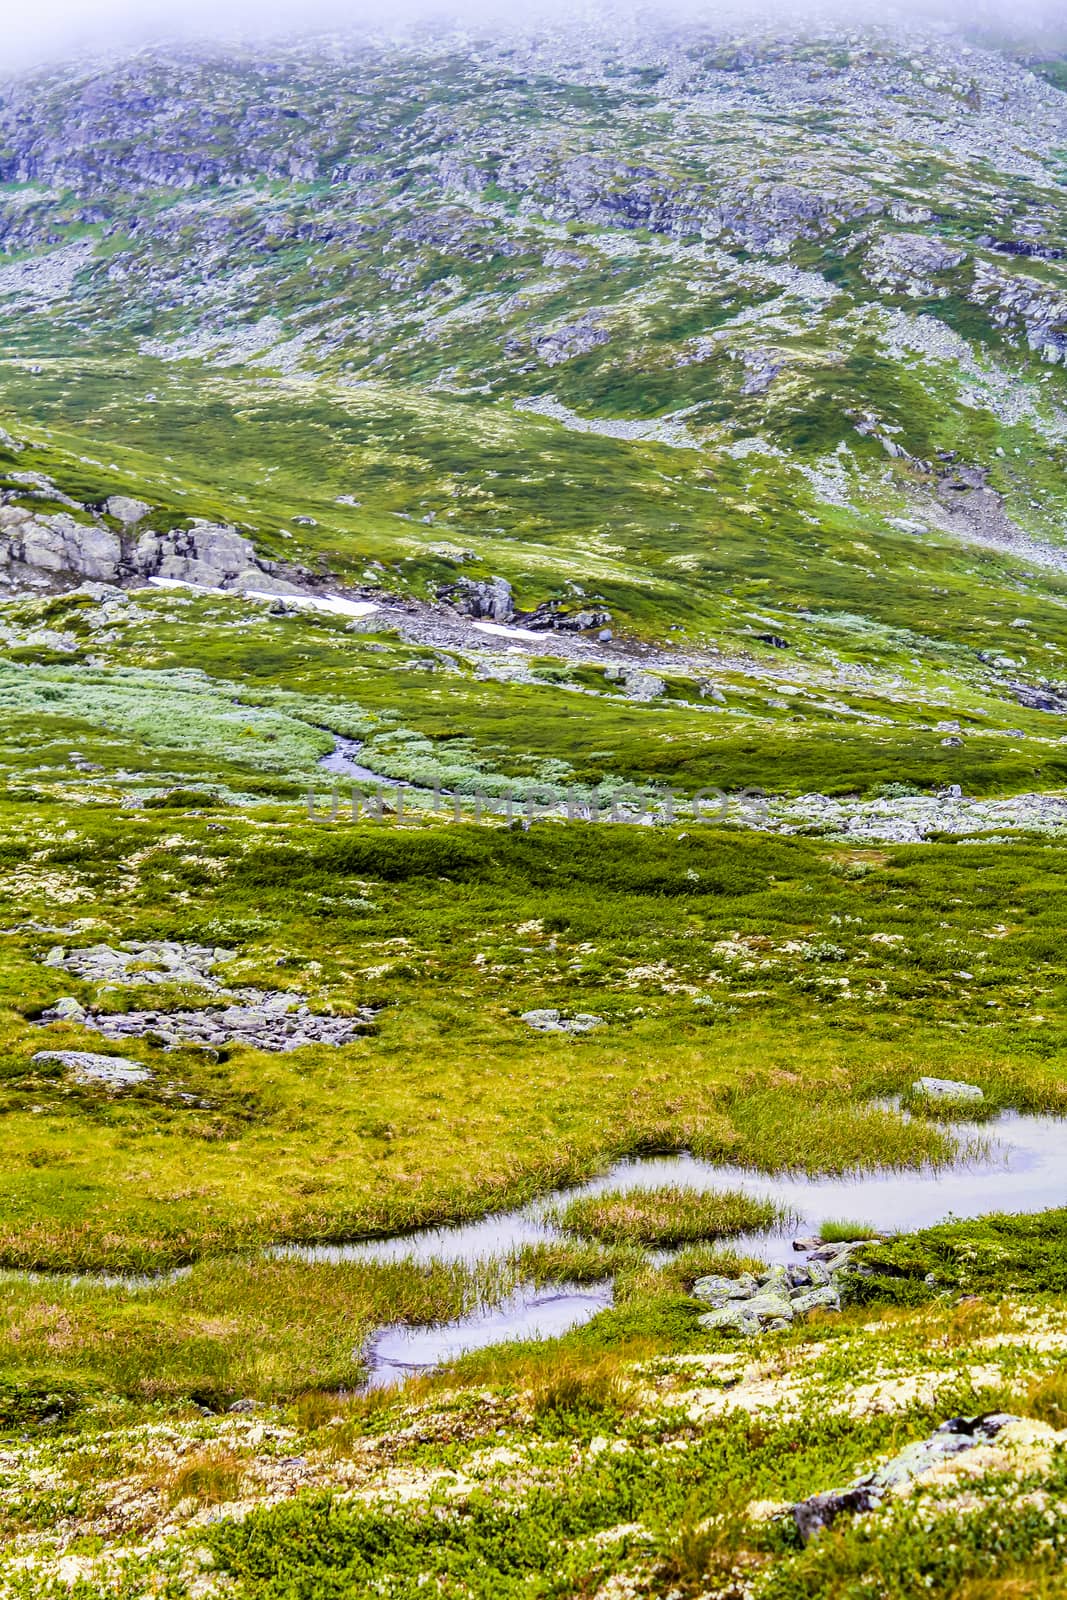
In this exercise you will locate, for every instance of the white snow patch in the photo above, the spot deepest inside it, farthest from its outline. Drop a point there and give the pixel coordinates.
(334, 604)
(502, 632)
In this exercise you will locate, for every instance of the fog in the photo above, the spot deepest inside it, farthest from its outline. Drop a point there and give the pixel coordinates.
(56, 29)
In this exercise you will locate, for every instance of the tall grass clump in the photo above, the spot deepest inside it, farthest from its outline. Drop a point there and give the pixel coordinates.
(666, 1216)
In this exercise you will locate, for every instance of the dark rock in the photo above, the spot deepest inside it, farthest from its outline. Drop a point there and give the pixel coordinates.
(867, 1493)
(489, 598)
(1043, 698)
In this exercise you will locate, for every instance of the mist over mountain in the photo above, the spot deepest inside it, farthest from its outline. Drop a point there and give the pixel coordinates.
(533, 800)
(62, 29)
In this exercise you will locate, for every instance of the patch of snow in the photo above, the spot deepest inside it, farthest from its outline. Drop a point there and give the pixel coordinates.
(502, 632)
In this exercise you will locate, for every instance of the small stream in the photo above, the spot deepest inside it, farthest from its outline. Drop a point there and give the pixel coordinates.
(527, 1313)
(342, 762)
(1020, 1167)
(1017, 1163)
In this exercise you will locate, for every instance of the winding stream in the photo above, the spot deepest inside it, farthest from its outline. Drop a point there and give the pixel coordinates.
(341, 761)
(1021, 1168)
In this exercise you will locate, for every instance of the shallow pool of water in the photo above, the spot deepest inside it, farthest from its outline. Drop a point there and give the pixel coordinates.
(397, 1352)
(1019, 1165)
(1024, 1168)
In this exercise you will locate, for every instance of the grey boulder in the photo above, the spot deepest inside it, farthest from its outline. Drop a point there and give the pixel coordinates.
(127, 510)
(946, 1089)
(549, 1021)
(114, 1072)
(718, 1291)
(867, 1493)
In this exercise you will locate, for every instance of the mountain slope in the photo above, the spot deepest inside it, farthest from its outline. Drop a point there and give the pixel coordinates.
(750, 345)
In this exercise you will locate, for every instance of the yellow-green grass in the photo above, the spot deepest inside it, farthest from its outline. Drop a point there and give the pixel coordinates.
(667, 1216)
(705, 956)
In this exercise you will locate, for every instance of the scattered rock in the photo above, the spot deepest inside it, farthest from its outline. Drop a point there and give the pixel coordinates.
(867, 1493)
(259, 1019)
(115, 1072)
(555, 1022)
(718, 1290)
(279, 1022)
(752, 1304)
(826, 1298)
(137, 962)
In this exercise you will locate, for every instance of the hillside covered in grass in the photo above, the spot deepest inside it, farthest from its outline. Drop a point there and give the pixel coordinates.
(533, 795)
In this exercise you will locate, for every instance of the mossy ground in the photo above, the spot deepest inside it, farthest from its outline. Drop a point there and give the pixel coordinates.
(761, 996)
(757, 993)
(638, 1455)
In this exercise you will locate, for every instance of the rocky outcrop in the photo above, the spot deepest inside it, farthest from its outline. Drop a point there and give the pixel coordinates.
(909, 262)
(1026, 305)
(488, 598)
(1040, 697)
(761, 369)
(867, 1493)
(209, 555)
(556, 345)
(752, 1304)
(41, 549)
(36, 547)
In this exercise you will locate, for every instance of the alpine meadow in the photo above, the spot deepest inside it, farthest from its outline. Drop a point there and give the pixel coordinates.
(533, 822)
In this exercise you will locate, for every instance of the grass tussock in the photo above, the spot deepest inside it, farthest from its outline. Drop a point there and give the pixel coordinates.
(668, 1216)
(844, 1232)
(702, 1555)
(574, 1261)
(210, 1478)
(1047, 1399)
(571, 1396)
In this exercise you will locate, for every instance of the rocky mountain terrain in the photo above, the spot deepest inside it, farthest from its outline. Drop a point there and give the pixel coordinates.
(533, 677)
(691, 355)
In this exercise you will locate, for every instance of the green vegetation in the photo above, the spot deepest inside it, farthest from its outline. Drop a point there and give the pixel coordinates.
(997, 1255)
(667, 1216)
(419, 317)
(834, 1232)
(776, 993)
